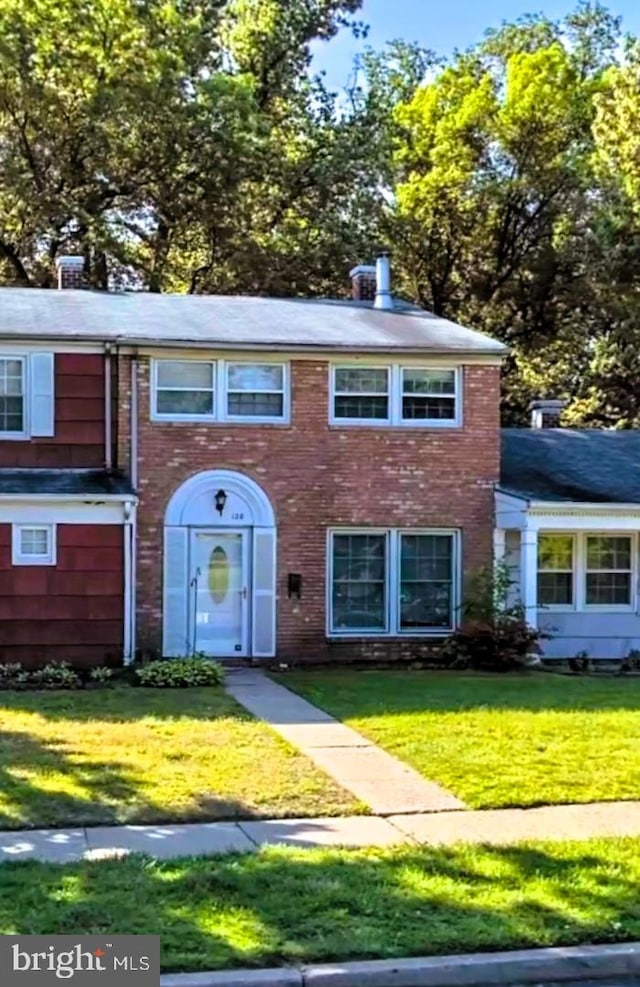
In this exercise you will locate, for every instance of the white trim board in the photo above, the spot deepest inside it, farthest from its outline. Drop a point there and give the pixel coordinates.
(275, 354)
(61, 512)
(55, 344)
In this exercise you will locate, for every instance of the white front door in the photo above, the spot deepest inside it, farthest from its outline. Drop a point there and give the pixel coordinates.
(219, 592)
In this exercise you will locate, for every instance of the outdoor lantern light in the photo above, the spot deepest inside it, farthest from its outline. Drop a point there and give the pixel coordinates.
(221, 500)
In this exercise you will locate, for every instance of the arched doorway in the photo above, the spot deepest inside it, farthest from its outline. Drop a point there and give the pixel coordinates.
(219, 568)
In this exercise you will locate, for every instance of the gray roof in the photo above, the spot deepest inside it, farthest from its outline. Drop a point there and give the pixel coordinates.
(232, 322)
(575, 465)
(75, 483)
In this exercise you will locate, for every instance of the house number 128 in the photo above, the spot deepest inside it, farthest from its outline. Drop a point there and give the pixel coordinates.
(238, 516)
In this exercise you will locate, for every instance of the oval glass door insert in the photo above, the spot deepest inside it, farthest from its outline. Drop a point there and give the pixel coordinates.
(218, 574)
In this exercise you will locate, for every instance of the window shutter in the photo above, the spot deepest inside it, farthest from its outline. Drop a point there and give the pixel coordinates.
(264, 593)
(175, 615)
(41, 394)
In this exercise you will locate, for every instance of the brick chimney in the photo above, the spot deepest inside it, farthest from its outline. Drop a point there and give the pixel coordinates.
(363, 281)
(70, 272)
(546, 412)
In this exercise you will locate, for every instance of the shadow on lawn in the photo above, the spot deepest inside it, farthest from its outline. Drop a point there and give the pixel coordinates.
(35, 770)
(27, 767)
(285, 906)
(114, 793)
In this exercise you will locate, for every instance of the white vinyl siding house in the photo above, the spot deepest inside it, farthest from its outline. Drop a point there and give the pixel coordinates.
(568, 528)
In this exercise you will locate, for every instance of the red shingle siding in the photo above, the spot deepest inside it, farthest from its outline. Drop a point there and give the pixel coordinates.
(318, 476)
(79, 420)
(73, 610)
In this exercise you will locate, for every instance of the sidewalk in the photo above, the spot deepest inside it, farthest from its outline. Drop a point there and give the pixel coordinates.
(496, 826)
(371, 774)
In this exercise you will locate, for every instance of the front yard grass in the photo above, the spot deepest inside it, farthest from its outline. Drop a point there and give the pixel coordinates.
(147, 755)
(285, 905)
(495, 740)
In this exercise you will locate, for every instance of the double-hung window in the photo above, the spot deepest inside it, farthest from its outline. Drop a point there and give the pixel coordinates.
(217, 390)
(361, 394)
(396, 395)
(392, 582)
(426, 581)
(255, 390)
(428, 395)
(609, 571)
(12, 395)
(359, 589)
(27, 394)
(556, 570)
(185, 388)
(586, 570)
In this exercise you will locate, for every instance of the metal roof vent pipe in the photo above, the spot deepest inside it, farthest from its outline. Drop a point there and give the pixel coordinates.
(383, 299)
(546, 412)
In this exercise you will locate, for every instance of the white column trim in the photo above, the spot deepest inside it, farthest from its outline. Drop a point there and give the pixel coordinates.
(529, 574)
(499, 545)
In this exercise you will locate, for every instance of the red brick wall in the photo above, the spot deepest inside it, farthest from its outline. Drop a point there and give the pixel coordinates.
(318, 476)
(79, 419)
(71, 611)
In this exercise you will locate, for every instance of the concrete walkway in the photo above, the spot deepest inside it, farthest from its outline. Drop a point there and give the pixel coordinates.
(380, 780)
(497, 826)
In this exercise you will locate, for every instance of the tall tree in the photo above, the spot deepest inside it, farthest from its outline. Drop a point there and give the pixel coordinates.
(499, 217)
(179, 144)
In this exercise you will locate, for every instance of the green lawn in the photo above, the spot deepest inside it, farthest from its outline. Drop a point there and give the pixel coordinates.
(147, 755)
(283, 905)
(501, 740)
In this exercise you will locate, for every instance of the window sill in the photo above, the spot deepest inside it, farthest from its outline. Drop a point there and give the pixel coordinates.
(32, 562)
(216, 423)
(387, 635)
(395, 427)
(593, 608)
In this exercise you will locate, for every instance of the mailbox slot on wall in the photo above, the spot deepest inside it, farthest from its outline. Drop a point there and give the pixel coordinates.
(295, 585)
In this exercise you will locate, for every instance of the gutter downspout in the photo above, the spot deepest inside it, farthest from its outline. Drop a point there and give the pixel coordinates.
(133, 470)
(129, 514)
(108, 411)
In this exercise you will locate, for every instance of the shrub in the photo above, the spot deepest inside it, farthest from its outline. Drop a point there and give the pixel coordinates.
(10, 675)
(101, 674)
(54, 675)
(179, 673)
(631, 663)
(494, 634)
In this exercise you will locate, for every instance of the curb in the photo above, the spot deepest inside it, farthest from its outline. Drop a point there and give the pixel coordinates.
(557, 964)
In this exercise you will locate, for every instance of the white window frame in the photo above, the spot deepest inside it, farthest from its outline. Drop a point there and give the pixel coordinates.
(284, 391)
(26, 392)
(334, 393)
(580, 604)
(183, 417)
(633, 573)
(562, 607)
(395, 394)
(219, 376)
(17, 556)
(392, 583)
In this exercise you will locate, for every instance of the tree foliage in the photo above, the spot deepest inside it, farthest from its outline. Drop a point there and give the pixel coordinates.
(178, 144)
(186, 145)
(503, 215)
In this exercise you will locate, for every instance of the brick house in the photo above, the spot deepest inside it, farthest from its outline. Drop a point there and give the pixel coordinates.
(242, 477)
